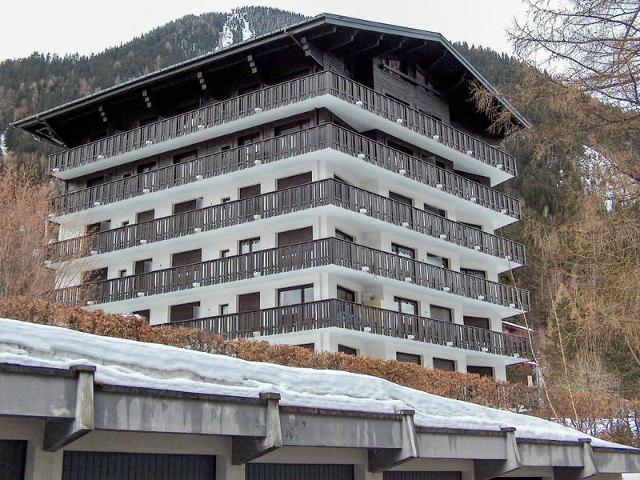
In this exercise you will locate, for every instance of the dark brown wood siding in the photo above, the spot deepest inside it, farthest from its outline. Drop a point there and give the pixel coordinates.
(250, 191)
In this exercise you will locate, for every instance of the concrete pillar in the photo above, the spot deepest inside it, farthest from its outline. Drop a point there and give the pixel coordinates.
(362, 473)
(226, 471)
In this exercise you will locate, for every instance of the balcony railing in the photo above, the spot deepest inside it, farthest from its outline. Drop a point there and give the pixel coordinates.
(267, 151)
(276, 96)
(317, 253)
(352, 316)
(324, 192)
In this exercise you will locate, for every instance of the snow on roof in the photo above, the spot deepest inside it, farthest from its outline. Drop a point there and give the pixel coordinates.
(130, 363)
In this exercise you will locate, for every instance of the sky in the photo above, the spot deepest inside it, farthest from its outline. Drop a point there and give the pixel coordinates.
(89, 26)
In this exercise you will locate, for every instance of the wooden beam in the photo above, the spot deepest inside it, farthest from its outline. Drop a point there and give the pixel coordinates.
(398, 47)
(244, 449)
(384, 459)
(252, 64)
(62, 431)
(350, 40)
(368, 47)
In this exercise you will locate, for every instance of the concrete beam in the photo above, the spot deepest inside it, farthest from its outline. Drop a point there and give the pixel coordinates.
(484, 470)
(246, 449)
(59, 432)
(384, 459)
(588, 468)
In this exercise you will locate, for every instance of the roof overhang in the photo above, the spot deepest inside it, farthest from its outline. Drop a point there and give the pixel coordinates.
(38, 124)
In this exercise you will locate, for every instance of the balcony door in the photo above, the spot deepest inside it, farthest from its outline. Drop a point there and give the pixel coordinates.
(294, 314)
(401, 210)
(251, 205)
(405, 265)
(249, 320)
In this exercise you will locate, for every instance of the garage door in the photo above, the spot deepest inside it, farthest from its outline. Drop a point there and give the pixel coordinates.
(12, 459)
(136, 466)
(422, 476)
(286, 471)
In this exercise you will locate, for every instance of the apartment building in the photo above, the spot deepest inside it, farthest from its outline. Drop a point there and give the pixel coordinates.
(329, 185)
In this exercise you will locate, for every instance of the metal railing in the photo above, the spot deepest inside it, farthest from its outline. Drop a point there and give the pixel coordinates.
(317, 253)
(285, 146)
(353, 316)
(275, 96)
(303, 197)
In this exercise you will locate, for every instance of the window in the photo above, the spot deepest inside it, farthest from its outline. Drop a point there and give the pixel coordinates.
(347, 350)
(404, 305)
(93, 182)
(408, 358)
(183, 157)
(472, 225)
(142, 266)
(291, 237)
(435, 210)
(343, 236)
(125, 223)
(295, 295)
(225, 200)
(146, 314)
(444, 364)
(294, 180)
(401, 198)
(437, 261)
(308, 346)
(441, 313)
(145, 216)
(98, 227)
(250, 191)
(184, 311)
(482, 371)
(249, 245)
(183, 207)
(474, 273)
(146, 167)
(224, 253)
(401, 148)
(122, 273)
(346, 295)
(478, 322)
(403, 251)
(223, 309)
(186, 258)
(98, 275)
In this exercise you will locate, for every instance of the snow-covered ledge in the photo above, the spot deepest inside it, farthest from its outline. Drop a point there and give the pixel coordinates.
(84, 389)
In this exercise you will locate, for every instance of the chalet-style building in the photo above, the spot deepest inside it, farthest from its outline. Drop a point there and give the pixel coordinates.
(330, 185)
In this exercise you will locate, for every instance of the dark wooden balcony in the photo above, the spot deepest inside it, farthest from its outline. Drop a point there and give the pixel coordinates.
(268, 205)
(271, 150)
(353, 316)
(317, 253)
(275, 96)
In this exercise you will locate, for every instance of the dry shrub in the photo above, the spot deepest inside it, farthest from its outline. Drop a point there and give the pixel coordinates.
(463, 386)
(612, 418)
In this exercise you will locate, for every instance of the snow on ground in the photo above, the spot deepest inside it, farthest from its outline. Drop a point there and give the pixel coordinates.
(130, 363)
(3, 148)
(234, 21)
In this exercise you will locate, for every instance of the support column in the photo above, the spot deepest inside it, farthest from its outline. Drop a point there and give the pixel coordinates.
(61, 432)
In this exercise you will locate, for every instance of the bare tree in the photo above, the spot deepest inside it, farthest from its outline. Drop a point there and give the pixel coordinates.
(23, 233)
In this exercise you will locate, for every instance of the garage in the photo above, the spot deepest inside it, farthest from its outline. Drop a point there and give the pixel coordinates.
(422, 476)
(136, 466)
(12, 459)
(294, 471)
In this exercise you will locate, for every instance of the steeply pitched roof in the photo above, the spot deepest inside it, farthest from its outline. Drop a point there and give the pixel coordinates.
(322, 19)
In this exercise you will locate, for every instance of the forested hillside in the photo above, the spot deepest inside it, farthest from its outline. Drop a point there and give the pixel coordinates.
(547, 184)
